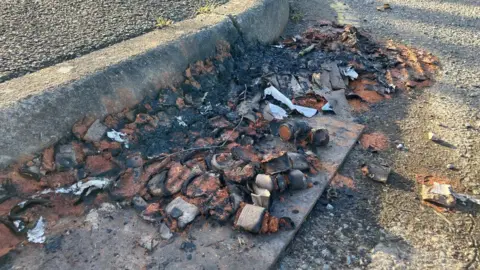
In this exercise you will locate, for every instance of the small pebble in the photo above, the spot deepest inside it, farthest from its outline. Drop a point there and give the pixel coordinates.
(400, 146)
(329, 207)
(450, 166)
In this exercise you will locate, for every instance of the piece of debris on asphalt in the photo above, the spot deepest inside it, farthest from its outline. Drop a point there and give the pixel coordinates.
(377, 173)
(451, 166)
(438, 140)
(429, 179)
(384, 7)
(434, 137)
(182, 211)
(438, 193)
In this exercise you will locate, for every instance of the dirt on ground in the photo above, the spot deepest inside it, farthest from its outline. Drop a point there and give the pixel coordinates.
(362, 224)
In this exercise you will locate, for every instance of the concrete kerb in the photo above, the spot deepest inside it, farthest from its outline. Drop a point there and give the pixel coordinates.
(38, 109)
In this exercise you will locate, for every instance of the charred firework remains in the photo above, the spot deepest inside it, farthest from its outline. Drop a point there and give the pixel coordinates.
(223, 144)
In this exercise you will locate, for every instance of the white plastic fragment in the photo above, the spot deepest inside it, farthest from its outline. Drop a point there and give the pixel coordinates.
(180, 121)
(204, 96)
(350, 72)
(19, 225)
(79, 187)
(62, 190)
(327, 108)
(37, 234)
(272, 91)
(22, 204)
(46, 191)
(308, 112)
(118, 137)
(279, 46)
(276, 112)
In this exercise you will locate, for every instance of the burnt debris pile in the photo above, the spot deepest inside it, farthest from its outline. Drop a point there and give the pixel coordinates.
(223, 144)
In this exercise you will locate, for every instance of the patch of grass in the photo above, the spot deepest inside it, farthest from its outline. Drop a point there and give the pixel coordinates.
(296, 16)
(162, 22)
(207, 8)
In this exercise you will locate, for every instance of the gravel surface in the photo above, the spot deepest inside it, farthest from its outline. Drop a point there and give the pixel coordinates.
(375, 226)
(37, 34)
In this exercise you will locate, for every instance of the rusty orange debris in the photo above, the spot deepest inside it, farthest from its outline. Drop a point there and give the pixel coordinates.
(376, 141)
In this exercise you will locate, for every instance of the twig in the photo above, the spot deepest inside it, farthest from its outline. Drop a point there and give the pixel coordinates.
(240, 122)
(230, 135)
(190, 149)
(443, 217)
(475, 254)
(473, 224)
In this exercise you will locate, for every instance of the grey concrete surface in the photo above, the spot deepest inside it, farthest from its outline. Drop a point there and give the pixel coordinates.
(40, 108)
(37, 34)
